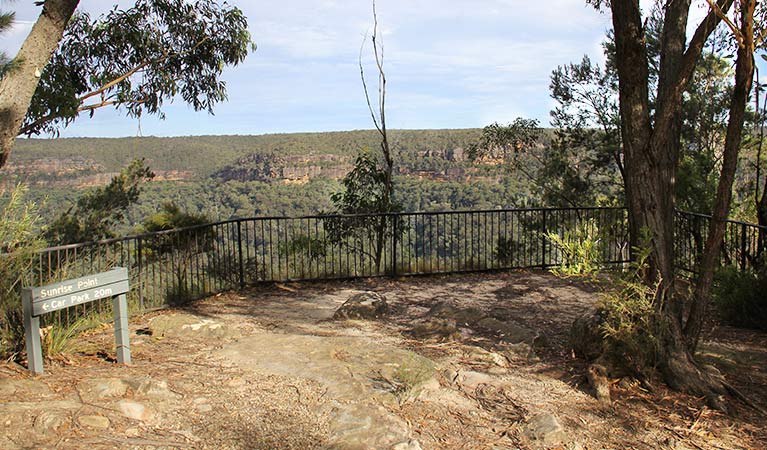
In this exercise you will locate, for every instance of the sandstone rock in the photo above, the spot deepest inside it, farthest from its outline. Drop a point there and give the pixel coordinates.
(544, 429)
(586, 336)
(150, 388)
(365, 306)
(98, 422)
(366, 426)
(26, 388)
(101, 388)
(508, 331)
(188, 326)
(470, 380)
(489, 359)
(463, 317)
(134, 410)
(48, 421)
(410, 445)
(436, 329)
(518, 351)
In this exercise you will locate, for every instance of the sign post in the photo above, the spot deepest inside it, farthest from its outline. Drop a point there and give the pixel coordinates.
(53, 297)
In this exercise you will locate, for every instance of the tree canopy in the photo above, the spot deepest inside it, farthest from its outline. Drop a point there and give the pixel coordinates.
(132, 59)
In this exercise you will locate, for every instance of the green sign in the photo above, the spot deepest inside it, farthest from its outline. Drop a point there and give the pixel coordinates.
(53, 297)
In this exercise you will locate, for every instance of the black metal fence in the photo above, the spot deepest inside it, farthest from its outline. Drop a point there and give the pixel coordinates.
(743, 243)
(177, 265)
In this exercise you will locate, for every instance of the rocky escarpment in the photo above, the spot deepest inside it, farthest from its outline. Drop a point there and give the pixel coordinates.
(299, 169)
(75, 172)
(56, 167)
(285, 169)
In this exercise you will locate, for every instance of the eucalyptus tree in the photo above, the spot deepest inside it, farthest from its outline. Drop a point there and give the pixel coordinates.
(6, 21)
(132, 59)
(650, 116)
(369, 186)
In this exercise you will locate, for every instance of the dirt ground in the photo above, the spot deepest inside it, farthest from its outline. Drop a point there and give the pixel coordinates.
(268, 368)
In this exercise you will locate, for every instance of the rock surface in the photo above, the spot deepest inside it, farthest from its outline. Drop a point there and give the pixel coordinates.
(364, 306)
(586, 336)
(183, 325)
(361, 377)
(134, 410)
(436, 329)
(98, 422)
(544, 429)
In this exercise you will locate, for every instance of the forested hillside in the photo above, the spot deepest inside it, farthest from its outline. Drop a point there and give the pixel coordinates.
(281, 174)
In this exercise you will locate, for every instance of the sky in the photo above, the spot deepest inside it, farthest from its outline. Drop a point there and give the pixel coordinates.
(449, 64)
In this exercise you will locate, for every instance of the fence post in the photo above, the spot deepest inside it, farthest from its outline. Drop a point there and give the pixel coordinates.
(543, 242)
(395, 227)
(743, 246)
(239, 252)
(140, 276)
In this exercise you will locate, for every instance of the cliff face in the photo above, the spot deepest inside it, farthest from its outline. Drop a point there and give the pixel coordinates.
(285, 169)
(75, 172)
(447, 164)
(55, 167)
(273, 168)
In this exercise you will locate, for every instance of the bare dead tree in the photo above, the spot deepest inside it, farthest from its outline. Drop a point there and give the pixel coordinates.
(379, 115)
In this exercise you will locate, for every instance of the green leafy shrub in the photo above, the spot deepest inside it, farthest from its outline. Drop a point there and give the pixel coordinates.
(739, 297)
(580, 249)
(631, 323)
(59, 338)
(19, 230)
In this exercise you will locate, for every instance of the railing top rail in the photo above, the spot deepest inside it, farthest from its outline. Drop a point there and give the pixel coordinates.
(133, 237)
(318, 217)
(424, 213)
(735, 222)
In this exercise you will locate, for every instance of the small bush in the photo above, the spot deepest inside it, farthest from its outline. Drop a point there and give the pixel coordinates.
(18, 241)
(59, 338)
(631, 324)
(630, 327)
(580, 249)
(739, 297)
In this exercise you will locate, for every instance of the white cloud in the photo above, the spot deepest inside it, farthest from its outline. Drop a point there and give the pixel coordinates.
(450, 63)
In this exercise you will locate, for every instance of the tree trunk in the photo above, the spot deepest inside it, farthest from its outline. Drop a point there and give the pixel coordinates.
(651, 149)
(744, 76)
(18, 86)
(632, 65)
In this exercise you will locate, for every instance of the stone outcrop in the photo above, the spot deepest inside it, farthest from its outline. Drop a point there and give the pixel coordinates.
(365, 306)
(586, 336)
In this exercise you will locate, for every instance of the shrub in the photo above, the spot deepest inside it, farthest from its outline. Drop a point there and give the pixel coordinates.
(631, 323)
(739, 297)
(59, 337)
(580, 249)
(18, 241)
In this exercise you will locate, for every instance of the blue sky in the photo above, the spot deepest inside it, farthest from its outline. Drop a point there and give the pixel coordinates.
(449, 63)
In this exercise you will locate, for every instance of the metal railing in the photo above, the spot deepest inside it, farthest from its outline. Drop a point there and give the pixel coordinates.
(177, 265)
(743, 243)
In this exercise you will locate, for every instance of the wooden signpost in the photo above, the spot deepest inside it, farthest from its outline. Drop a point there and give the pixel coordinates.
(53, 297)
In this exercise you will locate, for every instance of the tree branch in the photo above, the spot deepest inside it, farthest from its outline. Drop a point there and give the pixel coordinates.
(365, 87)
(735, 31)
(30, 128)
(689, 61)
(17, 88)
